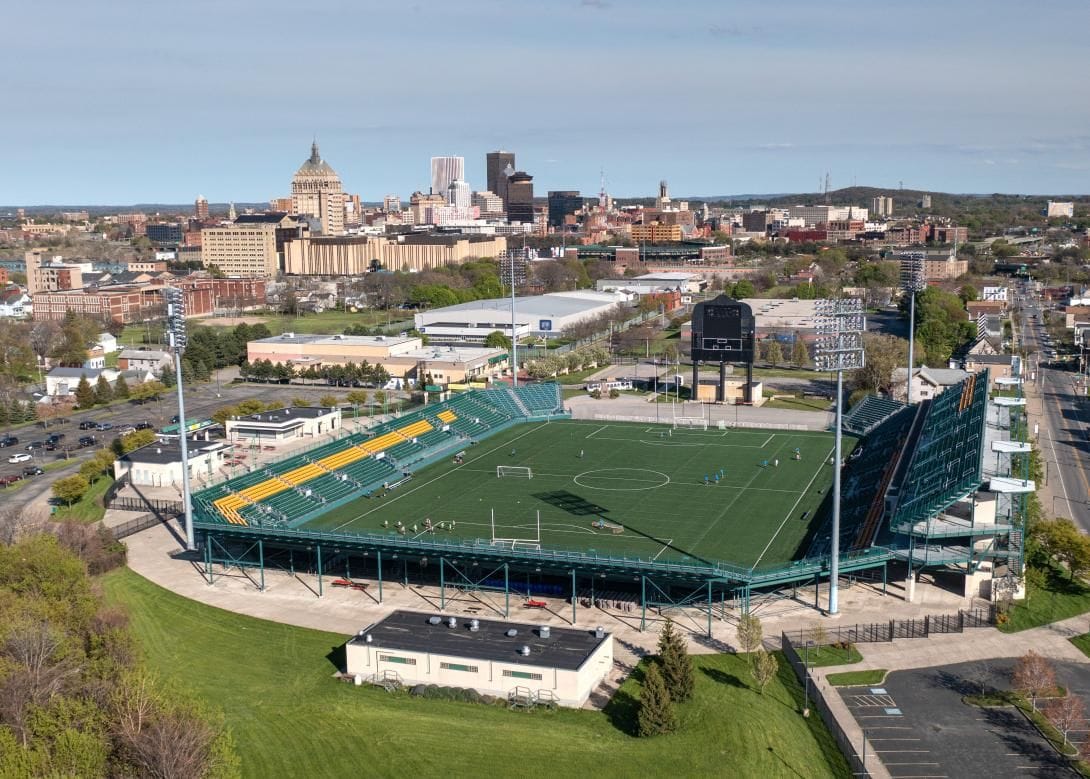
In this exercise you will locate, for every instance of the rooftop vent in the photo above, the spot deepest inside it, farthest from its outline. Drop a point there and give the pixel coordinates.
(434, 620)
(543, 631)
(452, 623)
(474, 625)
(599, 632)
(524, 650)
(511, 633)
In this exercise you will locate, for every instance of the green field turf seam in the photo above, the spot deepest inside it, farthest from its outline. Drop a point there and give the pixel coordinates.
(791, 511)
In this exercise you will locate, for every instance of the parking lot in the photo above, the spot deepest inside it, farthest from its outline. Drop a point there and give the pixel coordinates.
(919, 727)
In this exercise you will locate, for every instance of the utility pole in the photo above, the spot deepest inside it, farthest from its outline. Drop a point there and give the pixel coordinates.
(175, 300)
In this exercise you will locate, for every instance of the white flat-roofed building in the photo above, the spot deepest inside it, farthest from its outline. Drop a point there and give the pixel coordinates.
(159, 464)
(534, 663)
(654, 282)
(284, 424)
(537, 315)
(302, 349)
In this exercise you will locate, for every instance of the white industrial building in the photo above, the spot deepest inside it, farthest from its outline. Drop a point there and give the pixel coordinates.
(285, 424)
(649, 283)
(539, 315)
(160, 464)
(537, 663)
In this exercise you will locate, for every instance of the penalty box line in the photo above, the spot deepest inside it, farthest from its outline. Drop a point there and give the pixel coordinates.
(791, 511)
(406, 493)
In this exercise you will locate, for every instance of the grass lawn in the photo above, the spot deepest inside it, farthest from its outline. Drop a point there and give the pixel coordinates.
(328, 322)
(89, 508)
(1082, 643)
(583, 473)
(800, 404)
(578, 377)
(824, 656)
(290, 718)
(857, 678)
(1059, 599)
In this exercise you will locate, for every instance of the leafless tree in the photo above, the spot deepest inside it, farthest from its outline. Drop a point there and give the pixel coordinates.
(10, 523)
(980, 673)
(1033, 676)
(1067, 714)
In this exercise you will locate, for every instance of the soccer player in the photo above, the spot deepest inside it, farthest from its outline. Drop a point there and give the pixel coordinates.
(512, 452)
(580, 454)
(776, 463)
(705, 480)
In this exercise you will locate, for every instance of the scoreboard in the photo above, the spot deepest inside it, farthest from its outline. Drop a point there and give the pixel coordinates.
(723, 331)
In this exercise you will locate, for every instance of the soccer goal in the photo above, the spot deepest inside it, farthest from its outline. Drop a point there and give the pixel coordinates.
(692, 423)
(517, 471)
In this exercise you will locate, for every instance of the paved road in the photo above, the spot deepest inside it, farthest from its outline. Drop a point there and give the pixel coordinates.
(1063, 434)
(202, 401)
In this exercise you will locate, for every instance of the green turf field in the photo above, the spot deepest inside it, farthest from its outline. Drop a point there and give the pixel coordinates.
(645, 482)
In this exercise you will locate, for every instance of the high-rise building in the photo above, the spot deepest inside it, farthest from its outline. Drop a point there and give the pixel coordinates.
(200, 208)
(419, 204)
(280, 204)
(563, 204)
(488, 202)
(663, 200)
(520, 197)
(882, 206)
(445, 170)
(458, 194)
(391, 204)
(499, 165)
(316, 191)
(251, 246)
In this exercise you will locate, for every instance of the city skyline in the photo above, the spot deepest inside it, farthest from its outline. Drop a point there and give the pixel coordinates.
(763, 101)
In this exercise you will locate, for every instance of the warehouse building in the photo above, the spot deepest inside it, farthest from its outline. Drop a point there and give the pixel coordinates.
(533, 663)
(540, 315)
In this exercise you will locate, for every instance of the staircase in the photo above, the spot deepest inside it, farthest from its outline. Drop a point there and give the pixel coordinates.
(518, 402)
(387, 680)
(1015, 546)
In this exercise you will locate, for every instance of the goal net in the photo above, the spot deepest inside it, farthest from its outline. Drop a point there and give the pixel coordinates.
(517, 471)
(694, 423)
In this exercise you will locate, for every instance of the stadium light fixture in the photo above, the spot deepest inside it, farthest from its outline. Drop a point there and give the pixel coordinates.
(175, 300)
(840, 348)
(912, 281)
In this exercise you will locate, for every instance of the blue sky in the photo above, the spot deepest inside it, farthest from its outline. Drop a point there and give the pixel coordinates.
(139, 101)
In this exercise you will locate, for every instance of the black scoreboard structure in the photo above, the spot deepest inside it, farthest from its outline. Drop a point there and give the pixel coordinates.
(723, 332)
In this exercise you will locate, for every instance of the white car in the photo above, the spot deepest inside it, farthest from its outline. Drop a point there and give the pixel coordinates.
(22, 457)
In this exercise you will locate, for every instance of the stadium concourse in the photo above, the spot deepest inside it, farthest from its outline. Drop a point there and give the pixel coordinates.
(499, 490)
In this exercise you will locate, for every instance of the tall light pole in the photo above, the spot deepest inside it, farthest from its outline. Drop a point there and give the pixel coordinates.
(912, 281)
(175, 300)
(514, 334)
(839, 348)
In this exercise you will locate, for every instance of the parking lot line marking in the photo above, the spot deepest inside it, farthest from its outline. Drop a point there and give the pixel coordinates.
(903, 751)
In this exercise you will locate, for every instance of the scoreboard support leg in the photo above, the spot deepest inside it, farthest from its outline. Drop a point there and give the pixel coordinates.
(721, 390)
(694, 393)
(748, 389)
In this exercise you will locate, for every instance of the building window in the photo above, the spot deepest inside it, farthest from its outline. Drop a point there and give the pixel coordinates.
(522, 675)
(396, 659)
(458, 667)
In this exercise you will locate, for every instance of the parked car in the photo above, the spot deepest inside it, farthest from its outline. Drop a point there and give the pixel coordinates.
(8, 441)
(7, 481)
(87, 424)
(35, 445)
(87, 440)
(145, 425)
(126, 430)
(54, 438)
(104, 426)
(174, 419)
(34, 470)
(21, 457)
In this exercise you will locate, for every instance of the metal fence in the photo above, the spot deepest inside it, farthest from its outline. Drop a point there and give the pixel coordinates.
(875, 632)
(143, 522)
(146, 504)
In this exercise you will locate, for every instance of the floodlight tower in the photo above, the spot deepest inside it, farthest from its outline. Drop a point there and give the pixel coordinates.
(839, 348)
(175, 301)
(912, 281)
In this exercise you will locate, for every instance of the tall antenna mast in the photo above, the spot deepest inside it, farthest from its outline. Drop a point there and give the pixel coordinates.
(826, 187)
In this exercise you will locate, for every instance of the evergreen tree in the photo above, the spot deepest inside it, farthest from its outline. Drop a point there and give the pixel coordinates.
(656, 714)
(677, 666)
(5, 418)
(121, 387)
(85, 394)
(103, 393)
(800, 356)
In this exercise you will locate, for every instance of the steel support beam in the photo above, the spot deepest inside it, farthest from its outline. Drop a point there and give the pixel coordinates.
(378, 554)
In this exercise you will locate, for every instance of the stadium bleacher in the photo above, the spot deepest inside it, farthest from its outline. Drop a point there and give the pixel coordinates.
(869, 413)
(283, 492)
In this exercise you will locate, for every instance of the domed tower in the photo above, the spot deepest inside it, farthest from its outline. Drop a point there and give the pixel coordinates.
(316, 191)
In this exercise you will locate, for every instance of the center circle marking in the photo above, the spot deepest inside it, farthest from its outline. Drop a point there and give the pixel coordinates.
(624, 474)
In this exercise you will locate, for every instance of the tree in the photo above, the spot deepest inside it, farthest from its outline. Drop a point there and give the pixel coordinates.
(656, 713)
(980, 673)
(677, 666)
(121, 388)
(800, 355)
(85, 394)
(765, 667)
(497, 340)
(103, 393)
(1059, 541)
(773, 352)
(329, 401)
(1066, 714)
(1033, 676)
(301, 402)
(71, 488)
(750, 633)
(132, 441)
(968, 293)
(883, 354)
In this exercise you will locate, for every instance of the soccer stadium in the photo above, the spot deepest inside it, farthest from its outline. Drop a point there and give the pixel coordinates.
(499, 489)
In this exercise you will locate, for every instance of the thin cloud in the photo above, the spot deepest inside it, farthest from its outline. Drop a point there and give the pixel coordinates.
(600, 5)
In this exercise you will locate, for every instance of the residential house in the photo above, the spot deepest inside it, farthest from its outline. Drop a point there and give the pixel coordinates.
(926, 382)
(107, 342)
(151, 360)
(15, 303)
(96, 358)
